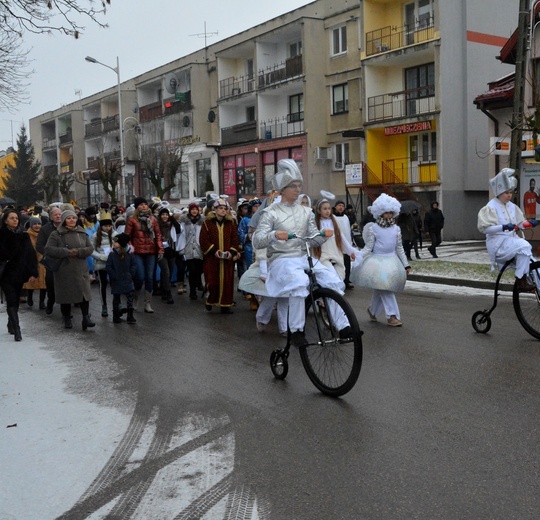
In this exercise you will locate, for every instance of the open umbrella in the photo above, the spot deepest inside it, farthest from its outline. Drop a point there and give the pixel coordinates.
(408, 206)
(6, 200)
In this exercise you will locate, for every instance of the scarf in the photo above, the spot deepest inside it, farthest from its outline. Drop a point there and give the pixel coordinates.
(386, 222)
(145, 220)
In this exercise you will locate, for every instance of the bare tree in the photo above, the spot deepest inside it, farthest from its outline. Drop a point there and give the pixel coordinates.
(161, 164)
(64, 185)
(49, 183)
(18, 17)
(110, 171)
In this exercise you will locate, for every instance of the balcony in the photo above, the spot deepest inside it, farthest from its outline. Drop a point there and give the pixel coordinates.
(241, 133)
(406, 171)
(66, 167)
(234, 86)
(406, 103)
(151, 111)
(111, 123)
(49, 143)
(389, 38)
(181, 102)
(292, 124)
(93, 128)
(67, 137)
(283, 71)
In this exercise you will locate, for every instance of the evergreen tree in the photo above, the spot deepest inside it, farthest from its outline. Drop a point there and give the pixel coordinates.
(22, 181)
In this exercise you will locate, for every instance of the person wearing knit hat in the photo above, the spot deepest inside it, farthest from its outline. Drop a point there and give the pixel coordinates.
(102, 241)
(287, 257)
(143, 228)
(192, 251)
(500, 220)
(72, 279)
(34, 227)
(121, 268)
(384, 266)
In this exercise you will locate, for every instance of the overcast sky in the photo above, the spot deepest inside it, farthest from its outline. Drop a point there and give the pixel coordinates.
(144, 34)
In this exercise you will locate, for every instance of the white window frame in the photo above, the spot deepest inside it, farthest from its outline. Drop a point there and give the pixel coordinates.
(338, 40)
(341, 155)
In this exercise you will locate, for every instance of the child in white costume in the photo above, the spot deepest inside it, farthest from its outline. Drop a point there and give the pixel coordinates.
(499, 220)
(331, 252)
(287, 259)
(385, 269)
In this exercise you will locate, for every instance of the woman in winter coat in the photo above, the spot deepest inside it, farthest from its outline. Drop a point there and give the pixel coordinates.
(145, 236)
(34, 227)
(169, 229)
(70, 243)
(102, 242)
(15, 249)
(192, 251)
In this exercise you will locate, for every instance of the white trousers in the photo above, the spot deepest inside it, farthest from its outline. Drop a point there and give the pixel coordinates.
(264, 312)
(384, 301)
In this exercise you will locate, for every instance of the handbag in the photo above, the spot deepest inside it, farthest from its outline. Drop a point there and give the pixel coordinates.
(50, 263)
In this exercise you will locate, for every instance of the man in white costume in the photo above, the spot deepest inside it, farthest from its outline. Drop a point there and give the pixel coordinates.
(287, 258)
(499, 220)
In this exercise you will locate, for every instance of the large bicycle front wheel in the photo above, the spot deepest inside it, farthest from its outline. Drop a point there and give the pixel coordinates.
(331, 359)
(527, 306)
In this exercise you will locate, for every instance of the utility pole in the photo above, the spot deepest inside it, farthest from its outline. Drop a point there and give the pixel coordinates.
(519, 90)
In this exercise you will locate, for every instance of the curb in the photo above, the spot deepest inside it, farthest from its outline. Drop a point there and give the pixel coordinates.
(476, 284)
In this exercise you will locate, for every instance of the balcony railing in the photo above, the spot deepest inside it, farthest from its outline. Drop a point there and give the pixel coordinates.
(151, 111)
(402, 104)
(407, 171)
(241, 133)
(66, 167)
(280, 72)
(175, 105)
(67, 137)
(235, 86)
(392, 37)
(291, 124)
(111, 123)
(49, 143)
(93, 128)
(51, 169)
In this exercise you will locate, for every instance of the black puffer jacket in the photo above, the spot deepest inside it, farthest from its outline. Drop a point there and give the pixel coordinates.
(17, 248)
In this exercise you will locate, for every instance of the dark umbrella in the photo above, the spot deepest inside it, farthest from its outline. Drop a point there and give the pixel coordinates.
(6, 200)
(408, 206)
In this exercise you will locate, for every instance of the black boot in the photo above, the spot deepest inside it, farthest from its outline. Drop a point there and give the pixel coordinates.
(42, 296)
(30, 298)
(10, 326)
(87, 322)
(169, 297)
(67, 322)
(14, 318)
(116, 316)
(130, 318)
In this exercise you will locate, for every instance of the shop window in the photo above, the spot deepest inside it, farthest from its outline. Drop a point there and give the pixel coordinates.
(203, 169)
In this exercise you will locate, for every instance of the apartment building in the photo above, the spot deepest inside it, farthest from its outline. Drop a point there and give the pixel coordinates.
(367, 96)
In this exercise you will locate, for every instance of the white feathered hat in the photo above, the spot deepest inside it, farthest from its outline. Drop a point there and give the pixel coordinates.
(503, 181)
(287, 173)
(384, 203)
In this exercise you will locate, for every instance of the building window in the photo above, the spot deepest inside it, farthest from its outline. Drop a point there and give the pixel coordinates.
(296, 108)
(419, 84)
(341, 155)
(295, 49)
(181, 180)
(250, 113)
(340, 99)
(339, 40)
(204, 176)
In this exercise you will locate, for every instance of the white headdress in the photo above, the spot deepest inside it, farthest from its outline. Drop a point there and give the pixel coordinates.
(384, 203)
(326, 197)
(287, 173)
(503, 181)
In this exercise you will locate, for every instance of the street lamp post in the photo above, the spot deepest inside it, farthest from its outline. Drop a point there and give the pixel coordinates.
(117, 71)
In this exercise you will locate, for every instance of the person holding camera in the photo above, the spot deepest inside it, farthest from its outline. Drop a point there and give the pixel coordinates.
(220, 246)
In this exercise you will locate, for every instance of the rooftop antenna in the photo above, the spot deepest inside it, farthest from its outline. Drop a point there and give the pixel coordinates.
(78, 92)
(205, 35)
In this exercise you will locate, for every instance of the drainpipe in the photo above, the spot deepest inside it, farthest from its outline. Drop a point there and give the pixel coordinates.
(496, 123)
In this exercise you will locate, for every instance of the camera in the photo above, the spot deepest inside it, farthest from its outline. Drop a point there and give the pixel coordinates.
(223, 255)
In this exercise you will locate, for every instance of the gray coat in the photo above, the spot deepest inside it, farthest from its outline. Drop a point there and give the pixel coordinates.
(71, 281)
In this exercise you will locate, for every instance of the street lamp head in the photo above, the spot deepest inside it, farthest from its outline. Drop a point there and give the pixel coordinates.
(90, 59)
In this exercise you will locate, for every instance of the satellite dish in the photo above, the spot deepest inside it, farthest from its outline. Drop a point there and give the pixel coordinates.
(135, 107)
(211, 116)
(186, 121)
(171, 83)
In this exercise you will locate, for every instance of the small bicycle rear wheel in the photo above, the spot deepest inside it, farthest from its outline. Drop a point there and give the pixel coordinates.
(332, 362)
(481, 322)
(527, 307)
(279, 363)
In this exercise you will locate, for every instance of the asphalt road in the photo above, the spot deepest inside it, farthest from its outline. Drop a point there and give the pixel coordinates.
(179, 417)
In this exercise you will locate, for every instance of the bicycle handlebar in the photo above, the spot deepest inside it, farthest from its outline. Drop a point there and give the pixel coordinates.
(294, 235)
